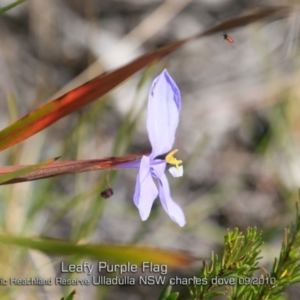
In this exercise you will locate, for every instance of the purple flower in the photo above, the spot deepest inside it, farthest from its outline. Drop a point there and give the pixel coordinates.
(162, 119)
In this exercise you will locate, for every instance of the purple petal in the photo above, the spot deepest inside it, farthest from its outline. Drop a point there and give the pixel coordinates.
(172, 208)
(163, 114)
(145, 189)
(128, 165)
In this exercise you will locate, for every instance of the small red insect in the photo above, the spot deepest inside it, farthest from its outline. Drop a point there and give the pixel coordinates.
(228, 39)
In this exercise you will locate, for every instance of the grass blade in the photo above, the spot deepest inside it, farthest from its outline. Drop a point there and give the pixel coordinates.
(22, 171)
(15, 174)
(10, 6)
(102, 252)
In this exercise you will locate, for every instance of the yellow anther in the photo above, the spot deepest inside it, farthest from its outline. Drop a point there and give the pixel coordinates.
(170, 159)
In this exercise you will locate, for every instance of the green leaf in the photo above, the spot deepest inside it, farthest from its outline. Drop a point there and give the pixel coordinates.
(70, 297)
(108, 252)
(10, 6)
(173, 296)
(165, 292)
(213, 295)
(25, 170)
